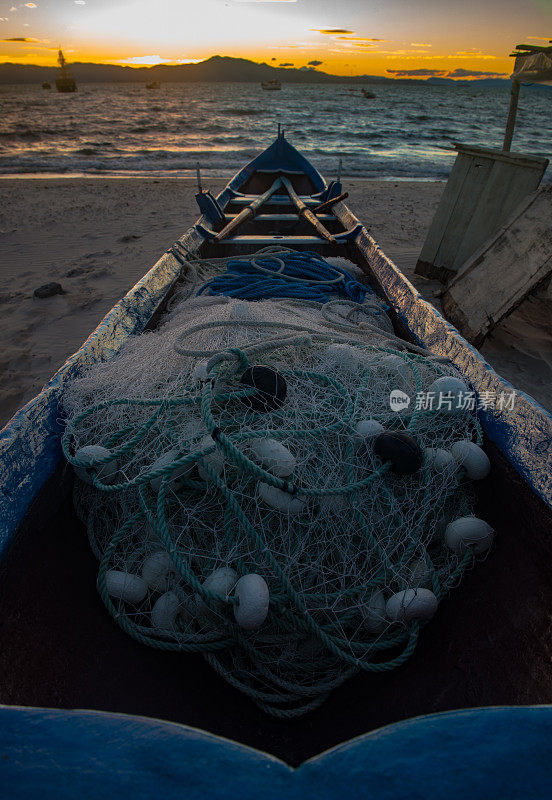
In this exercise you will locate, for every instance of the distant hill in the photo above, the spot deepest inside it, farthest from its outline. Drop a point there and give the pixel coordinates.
(217, 69)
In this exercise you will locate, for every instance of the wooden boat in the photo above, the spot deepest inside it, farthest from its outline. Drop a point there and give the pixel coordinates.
(153, 85)
(481, 668)
(66, 82)
(271, 86)
(368, 94)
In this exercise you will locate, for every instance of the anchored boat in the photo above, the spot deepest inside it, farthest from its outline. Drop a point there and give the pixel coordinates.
(271, 86)
(66, 82)
(488, 644)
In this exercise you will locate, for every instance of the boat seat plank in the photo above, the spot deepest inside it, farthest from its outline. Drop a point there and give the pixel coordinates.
(284, 217)
(246, 200)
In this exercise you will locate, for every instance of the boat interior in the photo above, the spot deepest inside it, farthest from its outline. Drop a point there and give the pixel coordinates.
(489, 645)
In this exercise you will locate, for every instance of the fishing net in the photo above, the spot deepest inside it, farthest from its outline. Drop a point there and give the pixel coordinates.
(240, 440)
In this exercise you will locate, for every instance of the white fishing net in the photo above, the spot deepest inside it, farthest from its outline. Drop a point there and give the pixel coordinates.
(187, 497)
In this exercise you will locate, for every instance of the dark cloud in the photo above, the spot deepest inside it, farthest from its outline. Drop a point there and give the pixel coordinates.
(443, 73)
(473, 73)
(20, 39)
(315, 63)
(286, 64)
(331, 31)
(418, 73)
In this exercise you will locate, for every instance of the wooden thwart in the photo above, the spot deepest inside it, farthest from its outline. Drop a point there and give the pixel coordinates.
(504, 270)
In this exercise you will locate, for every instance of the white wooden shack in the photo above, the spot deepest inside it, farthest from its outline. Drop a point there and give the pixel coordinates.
(485, 186)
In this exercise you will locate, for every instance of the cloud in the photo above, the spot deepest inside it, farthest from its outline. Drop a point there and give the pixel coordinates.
(443, 73)
(20, 39)
(361, 39)
(540, 38)
(420, 44)
(286, 64)
(80, 2)
(474, 73)
(264, 1)
(29, 5)
(330, 31)
(315, 63)
(417, 73)
(13, 8)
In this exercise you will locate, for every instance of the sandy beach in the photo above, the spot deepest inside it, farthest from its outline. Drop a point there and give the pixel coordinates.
(98, 236)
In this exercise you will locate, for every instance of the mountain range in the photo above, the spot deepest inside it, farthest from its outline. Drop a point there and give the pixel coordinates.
(221, 69)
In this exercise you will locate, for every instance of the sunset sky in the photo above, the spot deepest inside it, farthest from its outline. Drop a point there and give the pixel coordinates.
(458, 38)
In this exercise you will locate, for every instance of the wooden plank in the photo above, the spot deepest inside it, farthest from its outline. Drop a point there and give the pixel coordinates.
(445, 210)
(504, 271)
(466, 203)
(505, 189)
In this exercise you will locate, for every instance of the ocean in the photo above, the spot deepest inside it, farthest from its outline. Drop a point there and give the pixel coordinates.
(407, 132)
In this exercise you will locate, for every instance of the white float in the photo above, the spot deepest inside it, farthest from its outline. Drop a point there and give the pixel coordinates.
(176, 474)
(440, 460)
(159, 572)
(280, 500)
(200, 373)
(89, 454)
(374, 613)
(448, 391)
(165, 611)
(221, 582)
(418, 603)
(214, 461)
(274, 457)
(474, 460)
(469, 531)
(367, 429)
(125, 586)
(395, 364)
(253, 601)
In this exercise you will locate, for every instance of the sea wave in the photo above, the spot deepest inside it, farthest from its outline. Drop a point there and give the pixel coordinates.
(406, 132)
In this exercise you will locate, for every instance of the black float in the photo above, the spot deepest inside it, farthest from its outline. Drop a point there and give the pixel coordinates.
(402, 450)
(271, 388)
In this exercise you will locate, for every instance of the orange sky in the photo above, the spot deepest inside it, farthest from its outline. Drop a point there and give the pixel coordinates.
(459, 38)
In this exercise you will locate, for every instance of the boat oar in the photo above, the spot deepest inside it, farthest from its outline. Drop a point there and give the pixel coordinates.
(250, 211)
(305, 212)
(329, 203)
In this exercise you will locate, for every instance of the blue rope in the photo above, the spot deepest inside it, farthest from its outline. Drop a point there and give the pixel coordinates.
(303, 276)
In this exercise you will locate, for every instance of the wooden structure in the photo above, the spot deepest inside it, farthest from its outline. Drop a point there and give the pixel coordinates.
(503, 272)
(485, 186)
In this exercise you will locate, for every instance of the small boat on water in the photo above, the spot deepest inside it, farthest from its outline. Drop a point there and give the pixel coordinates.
(152, 720)
(271, 86)
(65, 82)
(153, 85)
(46, 85)
(368, 94)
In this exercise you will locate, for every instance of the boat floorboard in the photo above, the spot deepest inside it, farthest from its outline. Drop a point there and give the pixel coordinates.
(489, 644)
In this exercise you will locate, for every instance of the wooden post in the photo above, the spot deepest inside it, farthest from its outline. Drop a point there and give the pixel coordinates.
(514, 95)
